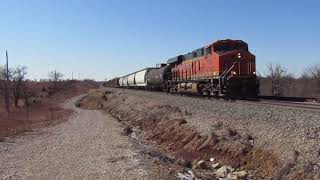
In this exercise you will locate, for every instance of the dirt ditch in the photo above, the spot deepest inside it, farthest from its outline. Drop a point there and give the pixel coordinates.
(167, 128)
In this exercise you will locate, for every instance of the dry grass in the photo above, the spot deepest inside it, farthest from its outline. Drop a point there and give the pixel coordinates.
(44, 107)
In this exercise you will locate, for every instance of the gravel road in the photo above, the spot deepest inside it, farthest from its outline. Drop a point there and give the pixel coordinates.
(88, 146)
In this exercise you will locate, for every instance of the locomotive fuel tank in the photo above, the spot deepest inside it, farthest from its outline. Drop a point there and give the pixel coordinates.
(187, 87)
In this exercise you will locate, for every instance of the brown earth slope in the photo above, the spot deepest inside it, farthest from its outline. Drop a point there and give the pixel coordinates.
(44, 107)
(168, 128)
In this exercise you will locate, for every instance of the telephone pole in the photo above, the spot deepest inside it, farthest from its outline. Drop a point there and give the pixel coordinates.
(7, 83)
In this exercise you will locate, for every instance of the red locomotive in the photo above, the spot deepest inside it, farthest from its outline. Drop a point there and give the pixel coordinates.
(223, 68)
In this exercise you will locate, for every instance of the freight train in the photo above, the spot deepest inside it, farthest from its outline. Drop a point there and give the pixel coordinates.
(223, 68)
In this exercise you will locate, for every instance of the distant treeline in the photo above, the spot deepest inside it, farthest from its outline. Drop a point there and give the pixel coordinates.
(279, 82)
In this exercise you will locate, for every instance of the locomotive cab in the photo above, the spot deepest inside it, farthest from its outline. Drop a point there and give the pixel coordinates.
(237, 69)
(235, 59)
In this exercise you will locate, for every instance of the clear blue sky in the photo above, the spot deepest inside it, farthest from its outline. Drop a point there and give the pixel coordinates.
(107, 38)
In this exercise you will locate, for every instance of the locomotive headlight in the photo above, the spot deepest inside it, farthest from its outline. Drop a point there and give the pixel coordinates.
(239, 55)
(253, 72)
(233, 73)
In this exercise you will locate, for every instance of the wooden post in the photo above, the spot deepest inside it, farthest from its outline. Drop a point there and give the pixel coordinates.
(7, 84)
(27, 106)
(51, 113)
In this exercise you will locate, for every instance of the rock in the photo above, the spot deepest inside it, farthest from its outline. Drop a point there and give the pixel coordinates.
(136, 130)
(240, 174)
(127, 130)
(201, 165)
(222, 172)
(230, 169)
(232, 177)
(187, 176)
(184, 162)
(215, 165)
(2, 139)
(78, 104)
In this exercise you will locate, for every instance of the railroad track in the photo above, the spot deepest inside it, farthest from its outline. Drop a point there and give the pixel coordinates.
(301, 103)
(293, 105)
(286, 102)
(291, 102)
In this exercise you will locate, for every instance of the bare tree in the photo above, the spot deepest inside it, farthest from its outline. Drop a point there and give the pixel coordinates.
(276, 73)
(315, 71)
(288, 85)
(5, 75)
(55, 77)
(5, 84)
(280, 82)
(18, 77)
(315, 75)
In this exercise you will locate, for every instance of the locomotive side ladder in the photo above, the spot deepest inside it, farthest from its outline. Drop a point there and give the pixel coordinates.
(222, 77)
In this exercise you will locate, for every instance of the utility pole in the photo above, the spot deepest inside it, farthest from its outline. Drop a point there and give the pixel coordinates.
(7, 83)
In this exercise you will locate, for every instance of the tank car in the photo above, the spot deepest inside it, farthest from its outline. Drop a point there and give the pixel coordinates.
(157, 78)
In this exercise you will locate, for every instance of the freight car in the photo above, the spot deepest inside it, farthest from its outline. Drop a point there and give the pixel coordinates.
(136, 80)
(112, 83)
(158, 78)
(223, 68)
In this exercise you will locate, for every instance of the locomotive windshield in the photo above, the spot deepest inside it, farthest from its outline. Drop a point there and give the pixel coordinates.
(230, 47)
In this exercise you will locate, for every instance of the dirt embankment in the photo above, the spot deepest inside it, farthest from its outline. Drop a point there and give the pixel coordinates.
(44, 107)
(169, 129)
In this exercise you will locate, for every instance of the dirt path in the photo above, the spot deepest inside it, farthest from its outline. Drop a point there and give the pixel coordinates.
(88, 146)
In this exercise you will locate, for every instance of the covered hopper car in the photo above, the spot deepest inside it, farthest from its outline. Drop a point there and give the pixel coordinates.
(136, 80)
